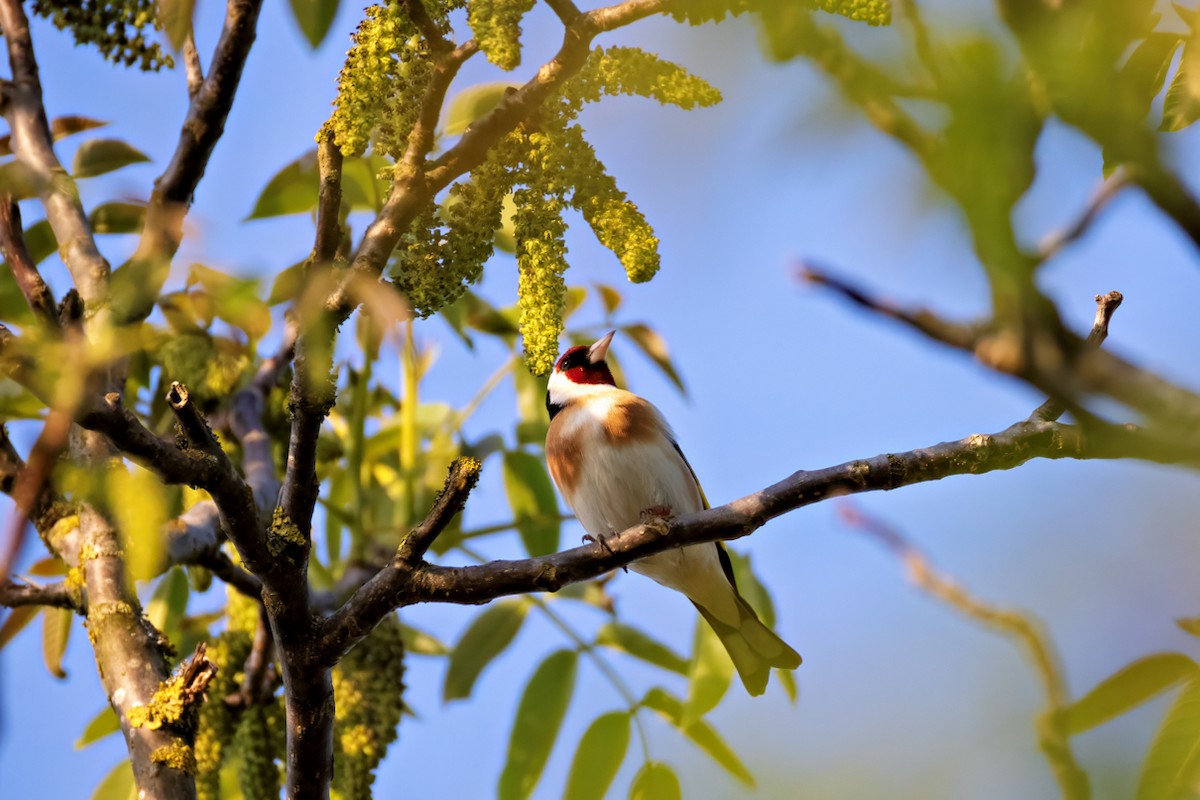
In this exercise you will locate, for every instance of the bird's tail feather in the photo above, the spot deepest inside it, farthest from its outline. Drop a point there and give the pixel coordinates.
(753, 647)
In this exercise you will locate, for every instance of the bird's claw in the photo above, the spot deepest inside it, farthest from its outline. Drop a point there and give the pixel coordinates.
(655, 512)
(600, 540)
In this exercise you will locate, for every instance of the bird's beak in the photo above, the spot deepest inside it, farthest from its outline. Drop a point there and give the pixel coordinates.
(599, 350)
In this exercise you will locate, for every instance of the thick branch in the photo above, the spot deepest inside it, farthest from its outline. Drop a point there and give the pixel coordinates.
(202, 128)
(33, 145)
(12, 243)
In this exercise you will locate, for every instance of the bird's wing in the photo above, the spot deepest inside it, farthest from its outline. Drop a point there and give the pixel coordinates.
(699, 488)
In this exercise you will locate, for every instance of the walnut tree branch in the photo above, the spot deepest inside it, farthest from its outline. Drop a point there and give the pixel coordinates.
(57, 595)
(24, 270)
(1106, 306)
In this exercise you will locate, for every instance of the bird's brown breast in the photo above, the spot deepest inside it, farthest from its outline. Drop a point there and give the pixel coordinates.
(628, 420)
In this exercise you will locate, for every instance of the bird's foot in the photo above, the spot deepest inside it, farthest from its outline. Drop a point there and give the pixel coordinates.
(600, 540)
(655, 512)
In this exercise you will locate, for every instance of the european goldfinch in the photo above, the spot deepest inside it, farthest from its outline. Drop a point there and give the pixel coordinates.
(616, 463)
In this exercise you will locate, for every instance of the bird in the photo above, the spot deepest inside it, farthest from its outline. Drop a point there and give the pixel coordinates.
(617, 463)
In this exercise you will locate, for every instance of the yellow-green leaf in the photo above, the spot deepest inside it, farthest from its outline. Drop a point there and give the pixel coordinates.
(48, 567)
(710, 674)
(486, 637)
(293, 190)
(598, 757)
(611, 297)
(139, 506)
(175, 16)
(117, 785)
(655, 781)
(118, 218)
(98, 156)
(473, 104)
(15, 621)
(314, 17)
(655, 348)
(168, 604)
(641, 645)
(702, 734)
(103, 724)
(420, 643)
(39, 238)
(1173, 763)
(1128, 688)
(534, 504)
(56, 630)
(60, 127)
(539, 716)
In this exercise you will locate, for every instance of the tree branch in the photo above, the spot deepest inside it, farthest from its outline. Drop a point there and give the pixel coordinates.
(33, 145)
(57, 595)
(173, 190)
(1106, 306)
(12, 243)
(1056, 241)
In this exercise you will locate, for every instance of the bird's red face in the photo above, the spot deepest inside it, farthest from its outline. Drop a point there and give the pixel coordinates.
(577, 366)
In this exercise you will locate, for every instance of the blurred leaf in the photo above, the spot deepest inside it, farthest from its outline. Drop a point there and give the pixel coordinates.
(655, 348)
(1173, 763)
(420, 643)
(20, 181)
(486, 637)
(168, 604)
(531, 406)
(39, 238)
(1128, 688)
(709, 676)
(14, 621)
(17, 402)
(787, 679)
(535, 728)
(361, 185)
(640, 645)
(576, 296)
(48, 567)
(315, 17)
(751, 588)
(60, 127)
(534, 505)
(702, 734)
(473, 103)
(56, 630)
(611, 297)
(175, 16)
(655, 781)
(103, 724)
(293, 190)
(598, 757)
(1189, 625)
(117, 785)
(118, 218)
(99, 156)
(1182, 105)
(14, 308)
(235, 300)
(287, 284)
(138, 504)
(591, 592)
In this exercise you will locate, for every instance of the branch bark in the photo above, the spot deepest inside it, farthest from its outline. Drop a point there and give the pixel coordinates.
(12, 242)
(58, 595)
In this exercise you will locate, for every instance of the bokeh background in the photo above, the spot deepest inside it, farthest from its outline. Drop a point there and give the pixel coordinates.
(899, 696)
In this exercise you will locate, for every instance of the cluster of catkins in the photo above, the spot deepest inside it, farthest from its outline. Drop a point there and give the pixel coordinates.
(117, 28)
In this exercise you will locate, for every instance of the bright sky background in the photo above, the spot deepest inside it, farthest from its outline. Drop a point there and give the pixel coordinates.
(899, 696)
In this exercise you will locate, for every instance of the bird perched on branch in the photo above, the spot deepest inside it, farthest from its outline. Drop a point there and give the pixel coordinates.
(617, 464)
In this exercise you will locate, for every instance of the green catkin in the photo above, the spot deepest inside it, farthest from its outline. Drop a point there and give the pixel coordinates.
(259, 743)
(497, 27)
(630, 71)
(217, 725)
(368, 685)
(696, 12)
(541, 262)
(116, 28)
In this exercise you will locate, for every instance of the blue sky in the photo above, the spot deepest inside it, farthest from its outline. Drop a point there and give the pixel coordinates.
(898, 694)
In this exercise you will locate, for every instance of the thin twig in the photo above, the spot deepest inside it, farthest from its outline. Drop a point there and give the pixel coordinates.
(57, 595)
(12, 243)
(1056, 241)
(1024, 628)
(32, 481)
(1106, 306)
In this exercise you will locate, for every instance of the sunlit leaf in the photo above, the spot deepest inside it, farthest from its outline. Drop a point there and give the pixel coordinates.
(709, 676)
(610, 296)
(506, 234)
(487, 636)
(1173, 763)
(641, 645)
(473, 103)
(1189, 625)
(138, 503)
(168, 604)
(39, 238)
(48, 567)
(17, 402)
(598, 757)
(534, 504)
(314, 17)
(655, 347)
(235, 300)
(751, 588)
(701, 733)
(117, 785)
(1127, 689)
(420, 643)
(19, 181)
(98, 156)
(60, 127)
(118, 218)
(14, 621)
(787, 679)
(56, 630)
(175, 16)
(655, 781)
(103, 724)
(293, 190)
(535, 728)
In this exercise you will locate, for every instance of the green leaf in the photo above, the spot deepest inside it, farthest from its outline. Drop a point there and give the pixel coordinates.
(49, 567)
(702, 734)
(15, 621)
(56, 630)
(655, 781)
(710, 674)
(17, 402)
(611, 297)
(39, 238)
(175, 16)
(287, 284)
(20, 181)
(598, 757)
(103, 724)
(420, 643)
(1128, 688)
(751, 588)
(539, 716)
(139, 505)
(117, 785)
(98, 156)
(655, 348)
(293, 190)
(60, 127)
(118, 218)
(534, 505)
(314, 17)
(640, 645)
(1173, 763)
(168, 604)
(235, 300)
(473, 104)
(787, 679)
(486, 637)
(1189, 625)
